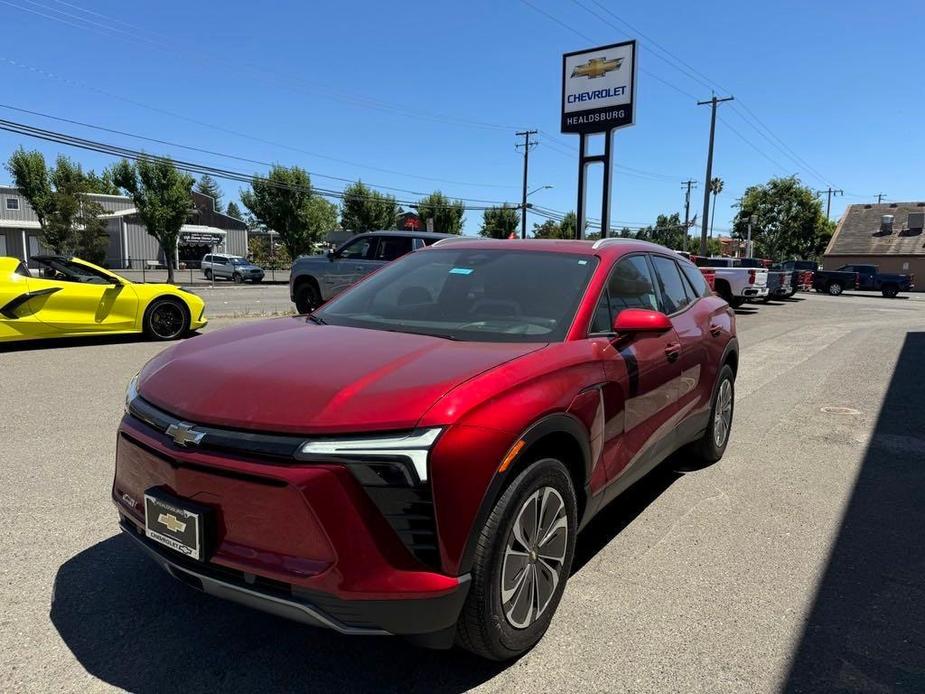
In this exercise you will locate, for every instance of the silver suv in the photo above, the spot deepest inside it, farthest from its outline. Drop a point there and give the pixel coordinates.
(230, 267)
(318, 278)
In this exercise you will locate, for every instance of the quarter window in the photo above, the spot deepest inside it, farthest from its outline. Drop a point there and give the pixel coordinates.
(674, 294)
(695, 277)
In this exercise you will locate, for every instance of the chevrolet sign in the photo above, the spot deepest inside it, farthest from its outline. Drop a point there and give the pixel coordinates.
(598, 88)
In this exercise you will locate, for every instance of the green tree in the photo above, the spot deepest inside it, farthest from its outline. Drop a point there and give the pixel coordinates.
(209, 186)
(568, 226)
(233, 210)
(500, 222)
(69, 219)
(448, 215)
(283, 201)
(716, 187)
(790, 220)
(364, 209)
(551, 229)
(161, 194)
(103, 183)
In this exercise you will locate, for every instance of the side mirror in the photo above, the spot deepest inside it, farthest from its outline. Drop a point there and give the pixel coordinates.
(639, 320)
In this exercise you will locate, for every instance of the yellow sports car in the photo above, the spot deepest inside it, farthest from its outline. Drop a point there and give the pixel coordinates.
(69, 297)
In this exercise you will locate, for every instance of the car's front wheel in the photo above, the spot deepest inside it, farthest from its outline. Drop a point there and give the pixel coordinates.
(237, 277)
(522, 562)
(166, 319)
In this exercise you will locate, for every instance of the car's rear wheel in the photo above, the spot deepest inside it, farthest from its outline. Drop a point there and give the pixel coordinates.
(710, 447)
(522, 562)
(166, 319)
(835, 288)
(889, 291)
(307, 298)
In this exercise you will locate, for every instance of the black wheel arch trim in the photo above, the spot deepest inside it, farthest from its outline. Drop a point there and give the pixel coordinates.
(557, 423)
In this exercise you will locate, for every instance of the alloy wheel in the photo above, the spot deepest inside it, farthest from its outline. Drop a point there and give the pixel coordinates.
(722, 416)
(167, 321)
(534, 557)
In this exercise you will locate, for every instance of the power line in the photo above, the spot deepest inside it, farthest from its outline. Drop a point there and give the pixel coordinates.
(191, 167)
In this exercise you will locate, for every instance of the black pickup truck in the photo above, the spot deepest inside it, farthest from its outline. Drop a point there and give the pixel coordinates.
(888, 284)
(832, 281)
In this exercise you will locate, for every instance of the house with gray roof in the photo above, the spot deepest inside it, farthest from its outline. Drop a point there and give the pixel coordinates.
(888, 235)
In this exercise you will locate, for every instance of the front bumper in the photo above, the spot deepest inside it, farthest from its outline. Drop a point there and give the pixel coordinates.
(298, 540)
(350, 617)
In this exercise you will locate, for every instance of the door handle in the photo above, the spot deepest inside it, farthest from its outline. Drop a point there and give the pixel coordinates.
(716, 330)
(673, 351)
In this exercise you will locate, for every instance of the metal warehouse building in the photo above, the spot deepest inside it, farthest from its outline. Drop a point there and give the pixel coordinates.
(889, 236)
(130, 245)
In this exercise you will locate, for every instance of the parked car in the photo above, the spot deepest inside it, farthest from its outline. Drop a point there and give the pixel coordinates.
(231, 267)
(779, 281)
(802, 273)
(65, 296)
(735, 284)
(417, 456)
(888, 284)
(316, 279)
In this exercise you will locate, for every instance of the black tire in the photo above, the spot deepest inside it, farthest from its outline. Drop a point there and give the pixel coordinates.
(706, 449)
(736, 301)
(307, 298)
(257, 280)
(166, 319)
(238, 279)
(889, 291)
(792, 293)
(486, 626)
(208, 274)
(834, 288)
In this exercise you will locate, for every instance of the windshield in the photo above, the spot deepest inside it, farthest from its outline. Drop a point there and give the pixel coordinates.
(67, 271)
(477, 295)
(240, 261)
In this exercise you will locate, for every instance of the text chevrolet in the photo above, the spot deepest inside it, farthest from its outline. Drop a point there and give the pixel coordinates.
(417, 456)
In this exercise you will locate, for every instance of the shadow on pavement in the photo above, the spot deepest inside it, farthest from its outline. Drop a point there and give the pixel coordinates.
(133, 626)
(866, 630)
(89, 340)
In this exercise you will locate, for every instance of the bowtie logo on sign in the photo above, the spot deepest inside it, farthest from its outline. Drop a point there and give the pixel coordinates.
(596, 67)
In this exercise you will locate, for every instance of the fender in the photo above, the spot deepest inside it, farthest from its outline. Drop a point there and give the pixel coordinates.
(550, 424)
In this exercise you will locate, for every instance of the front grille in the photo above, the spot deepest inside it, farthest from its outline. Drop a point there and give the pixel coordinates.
(408, 510)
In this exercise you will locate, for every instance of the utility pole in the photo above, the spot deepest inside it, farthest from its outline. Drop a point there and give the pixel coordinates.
(690, 183)
(880, 197)
(525, 134)
(704, 221)
(830, 191)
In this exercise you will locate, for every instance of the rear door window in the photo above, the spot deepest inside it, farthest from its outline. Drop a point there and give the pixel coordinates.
(673, 290)
(360, 249)
(392, 247)
(697, 283)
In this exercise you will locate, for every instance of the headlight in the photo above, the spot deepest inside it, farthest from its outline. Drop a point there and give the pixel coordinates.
(131, 392)
(378, 460)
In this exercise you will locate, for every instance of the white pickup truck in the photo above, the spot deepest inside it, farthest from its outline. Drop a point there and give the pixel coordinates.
(736, 284)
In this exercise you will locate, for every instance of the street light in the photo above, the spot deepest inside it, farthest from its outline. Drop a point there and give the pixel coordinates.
(748, 244)
(536, 190)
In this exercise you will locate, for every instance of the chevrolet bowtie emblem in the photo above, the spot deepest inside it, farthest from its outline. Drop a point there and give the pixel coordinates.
(597, 67)
(184, 435)
(171, 522)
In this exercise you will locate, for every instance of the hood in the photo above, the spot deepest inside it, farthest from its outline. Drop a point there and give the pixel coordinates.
(290, 375)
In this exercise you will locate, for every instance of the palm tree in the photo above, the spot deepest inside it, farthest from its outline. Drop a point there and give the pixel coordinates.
(716, 187)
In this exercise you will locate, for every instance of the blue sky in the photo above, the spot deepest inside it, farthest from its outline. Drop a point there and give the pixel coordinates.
(424, 95)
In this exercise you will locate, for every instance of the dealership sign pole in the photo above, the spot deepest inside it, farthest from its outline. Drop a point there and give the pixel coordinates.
(598, 96)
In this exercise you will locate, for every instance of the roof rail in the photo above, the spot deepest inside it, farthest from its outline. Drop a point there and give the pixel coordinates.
(609, 240)
(456, 239)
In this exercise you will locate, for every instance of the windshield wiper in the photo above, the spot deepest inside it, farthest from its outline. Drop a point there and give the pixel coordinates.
(317, 319)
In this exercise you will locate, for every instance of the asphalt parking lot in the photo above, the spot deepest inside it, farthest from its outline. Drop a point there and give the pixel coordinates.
(795, 563)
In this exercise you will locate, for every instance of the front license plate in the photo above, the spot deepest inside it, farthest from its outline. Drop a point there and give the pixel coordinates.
(174, 523)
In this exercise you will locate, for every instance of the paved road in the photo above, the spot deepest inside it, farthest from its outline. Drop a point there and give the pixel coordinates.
(228, 300)
(795, 563)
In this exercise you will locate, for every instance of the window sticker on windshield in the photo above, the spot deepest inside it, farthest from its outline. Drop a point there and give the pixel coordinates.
(461, 271)
(582, 262)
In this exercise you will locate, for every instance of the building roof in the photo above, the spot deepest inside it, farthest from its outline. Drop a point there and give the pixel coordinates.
(858, 231)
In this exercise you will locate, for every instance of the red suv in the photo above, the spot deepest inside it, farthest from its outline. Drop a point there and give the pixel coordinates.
(417, 456)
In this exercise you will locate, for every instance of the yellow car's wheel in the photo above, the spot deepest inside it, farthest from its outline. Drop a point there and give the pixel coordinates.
(166, 319)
